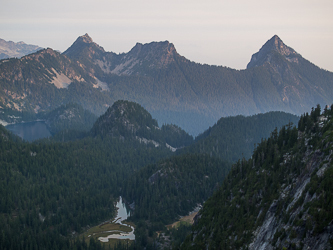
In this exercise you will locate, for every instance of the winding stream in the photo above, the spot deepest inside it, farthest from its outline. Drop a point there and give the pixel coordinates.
(121, 216)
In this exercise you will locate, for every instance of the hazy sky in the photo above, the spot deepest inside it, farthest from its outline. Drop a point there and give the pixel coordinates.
(206, 31)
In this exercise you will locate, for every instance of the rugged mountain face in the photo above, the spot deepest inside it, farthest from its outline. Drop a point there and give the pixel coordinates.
(296, 81)
(45, 80)
(10, 49)
(172, 88)
(279, 199)
(274, 45)
(138, 60)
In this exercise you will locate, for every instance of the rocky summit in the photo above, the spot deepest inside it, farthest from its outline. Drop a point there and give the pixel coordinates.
(274, 45)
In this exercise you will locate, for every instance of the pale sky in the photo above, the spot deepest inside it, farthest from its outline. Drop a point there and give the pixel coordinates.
(214, 32)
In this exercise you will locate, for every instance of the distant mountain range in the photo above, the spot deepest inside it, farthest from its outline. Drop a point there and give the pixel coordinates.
(10, 49)
(172, 88)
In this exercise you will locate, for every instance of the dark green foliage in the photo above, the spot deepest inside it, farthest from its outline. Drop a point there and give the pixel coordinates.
(171, 188)
(178, 235)
(52, 189)
(253, 187)
(175, 136)
(233, 138)
(125, 119)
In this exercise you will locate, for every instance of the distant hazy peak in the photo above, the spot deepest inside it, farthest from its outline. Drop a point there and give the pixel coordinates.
(11, 49)
(153, 47)
(273, 44)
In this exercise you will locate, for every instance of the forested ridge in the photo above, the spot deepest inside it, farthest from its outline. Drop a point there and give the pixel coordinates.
(126, 119)
(163, 192)
(232, 138)
(280, 198)
(54, 189)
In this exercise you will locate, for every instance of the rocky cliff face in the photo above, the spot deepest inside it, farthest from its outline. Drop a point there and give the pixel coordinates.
(139, 59)
(295, 227)
(43, 81)
(281, 198)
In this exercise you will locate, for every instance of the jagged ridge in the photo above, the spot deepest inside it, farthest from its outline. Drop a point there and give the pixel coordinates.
(168, 85)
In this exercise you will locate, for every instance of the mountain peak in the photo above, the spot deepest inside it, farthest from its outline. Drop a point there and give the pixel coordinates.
(81, 43)
(275, 44)
(85, 38)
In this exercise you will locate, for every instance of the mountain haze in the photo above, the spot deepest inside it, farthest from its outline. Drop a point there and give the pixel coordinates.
(10, 49)
(169, 86)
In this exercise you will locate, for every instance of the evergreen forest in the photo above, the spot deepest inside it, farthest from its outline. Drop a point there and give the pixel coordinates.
(55, 189)
(280, 198)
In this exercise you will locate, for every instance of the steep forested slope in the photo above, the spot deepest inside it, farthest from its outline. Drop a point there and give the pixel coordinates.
(280, 198)
(162, 192)
(182, 181)
(233, 138)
